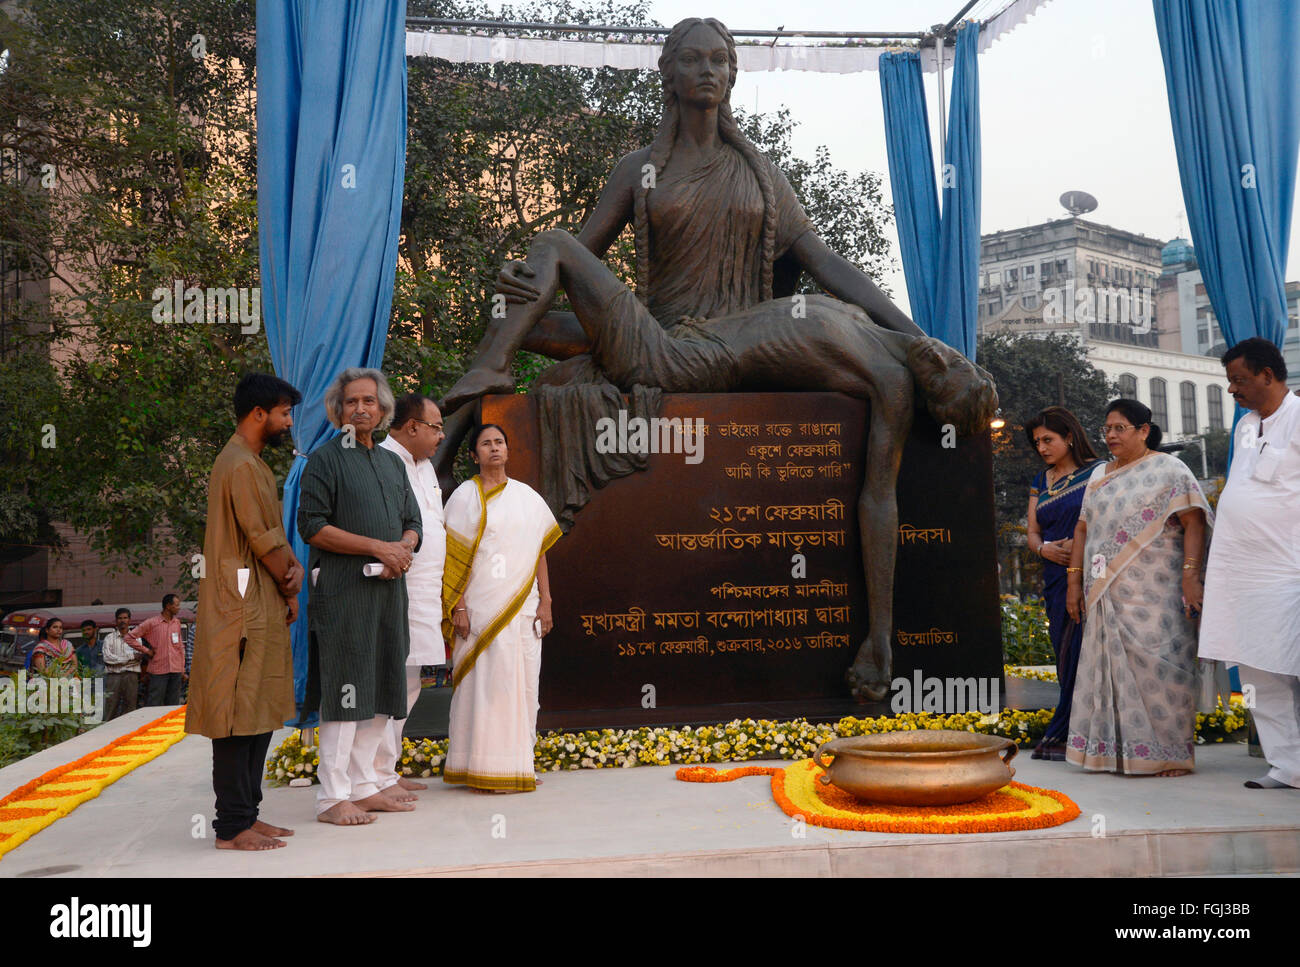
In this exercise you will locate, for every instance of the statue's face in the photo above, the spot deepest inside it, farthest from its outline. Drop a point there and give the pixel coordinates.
(701, 74)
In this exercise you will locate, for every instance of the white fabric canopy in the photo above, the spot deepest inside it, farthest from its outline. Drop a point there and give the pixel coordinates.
(483, 49)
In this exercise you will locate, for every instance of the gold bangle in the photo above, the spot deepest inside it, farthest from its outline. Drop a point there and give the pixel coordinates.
(1191, 566)
(1074, 570)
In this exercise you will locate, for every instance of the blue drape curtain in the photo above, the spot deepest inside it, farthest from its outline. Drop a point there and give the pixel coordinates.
(1232, 69)
(331, 143)
(940, 250)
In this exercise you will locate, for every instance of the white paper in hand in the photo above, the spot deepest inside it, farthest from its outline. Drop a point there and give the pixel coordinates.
(241, 579)
(373, 570)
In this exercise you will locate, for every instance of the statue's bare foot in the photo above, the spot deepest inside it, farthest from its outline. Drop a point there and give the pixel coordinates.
(252, 841)
(411, 784)
(396, 793)
(866, 681)
(479, 381)
(380, 803)
(266, 829)
(345, 814)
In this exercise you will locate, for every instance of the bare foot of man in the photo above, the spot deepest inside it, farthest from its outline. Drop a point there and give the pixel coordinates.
(345, 814)
(412, 784)
(396, 793)
(380, 803)
(250, 840)
(266, 829)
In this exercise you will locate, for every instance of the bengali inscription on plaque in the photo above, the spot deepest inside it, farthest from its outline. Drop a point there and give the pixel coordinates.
(737, 579)
(758, 561)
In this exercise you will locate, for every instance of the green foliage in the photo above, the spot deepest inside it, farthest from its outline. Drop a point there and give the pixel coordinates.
(153, 152)
(1025, 638)
(29, 401)
(139, 174)
(26, 733)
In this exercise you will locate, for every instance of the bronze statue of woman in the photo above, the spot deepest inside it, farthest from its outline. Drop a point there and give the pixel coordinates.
(721, 241)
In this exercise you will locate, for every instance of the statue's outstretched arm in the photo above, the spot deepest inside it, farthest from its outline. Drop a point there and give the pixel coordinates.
(850, 284)
(614, 210)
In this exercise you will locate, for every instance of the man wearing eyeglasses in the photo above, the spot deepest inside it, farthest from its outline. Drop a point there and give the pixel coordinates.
(415, 434)
(1252, 582)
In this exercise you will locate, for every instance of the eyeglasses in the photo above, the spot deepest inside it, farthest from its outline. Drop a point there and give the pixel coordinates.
(432, 426)
(1106, 430)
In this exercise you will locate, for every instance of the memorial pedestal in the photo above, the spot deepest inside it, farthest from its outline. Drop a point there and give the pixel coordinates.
(726, 580)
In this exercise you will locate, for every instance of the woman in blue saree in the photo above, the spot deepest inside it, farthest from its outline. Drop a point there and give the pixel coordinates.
(1055, 497)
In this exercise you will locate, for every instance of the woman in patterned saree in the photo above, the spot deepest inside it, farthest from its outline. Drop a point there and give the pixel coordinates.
(496, 605)
(53, 654)
(1135, 580)
(1054, 500)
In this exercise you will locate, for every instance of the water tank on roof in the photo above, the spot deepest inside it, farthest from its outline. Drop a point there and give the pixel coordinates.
(1178, 252)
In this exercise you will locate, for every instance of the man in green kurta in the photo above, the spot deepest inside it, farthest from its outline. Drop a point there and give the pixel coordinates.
(241, 682)
(357, 508)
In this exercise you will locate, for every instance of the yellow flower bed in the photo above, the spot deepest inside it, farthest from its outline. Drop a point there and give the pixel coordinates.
(737, 741)
(1033, 674)
(1222, 722)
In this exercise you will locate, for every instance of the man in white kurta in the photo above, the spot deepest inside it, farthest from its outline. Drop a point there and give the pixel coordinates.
(415, 435)
(1252, 584)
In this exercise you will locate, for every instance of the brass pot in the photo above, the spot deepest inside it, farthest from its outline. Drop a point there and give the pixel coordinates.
(922, 768)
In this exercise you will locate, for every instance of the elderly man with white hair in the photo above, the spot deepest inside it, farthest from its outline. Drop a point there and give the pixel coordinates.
(362, 520)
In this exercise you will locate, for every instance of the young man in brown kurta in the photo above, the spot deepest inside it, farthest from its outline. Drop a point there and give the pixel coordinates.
(241, 683)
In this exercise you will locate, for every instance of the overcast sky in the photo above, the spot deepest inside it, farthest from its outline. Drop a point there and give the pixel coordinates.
(1074, 98)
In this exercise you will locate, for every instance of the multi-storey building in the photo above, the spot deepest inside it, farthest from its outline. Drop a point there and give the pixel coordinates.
(1137, 305)
(1181, 296)
(1070, 276)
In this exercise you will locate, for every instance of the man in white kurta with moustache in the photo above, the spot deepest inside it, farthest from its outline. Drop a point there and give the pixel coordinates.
(415, 435)
(1252, 585)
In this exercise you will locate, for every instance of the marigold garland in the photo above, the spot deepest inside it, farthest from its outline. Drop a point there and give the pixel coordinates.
(796, 790)
(705, 774)
(36, 804)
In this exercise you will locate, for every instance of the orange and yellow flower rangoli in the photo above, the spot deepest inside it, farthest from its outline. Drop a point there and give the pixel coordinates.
(795, 787)
(33, 806)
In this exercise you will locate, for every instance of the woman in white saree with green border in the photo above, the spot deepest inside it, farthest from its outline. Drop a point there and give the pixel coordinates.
(496, 603)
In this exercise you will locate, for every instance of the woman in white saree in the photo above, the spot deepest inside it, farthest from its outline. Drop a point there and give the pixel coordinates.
(497, 606)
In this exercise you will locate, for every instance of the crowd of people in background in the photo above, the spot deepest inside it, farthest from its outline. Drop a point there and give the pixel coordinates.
(1150, 598)
(144, 665)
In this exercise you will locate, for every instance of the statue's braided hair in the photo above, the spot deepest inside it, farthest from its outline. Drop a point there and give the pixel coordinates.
(661, 150)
